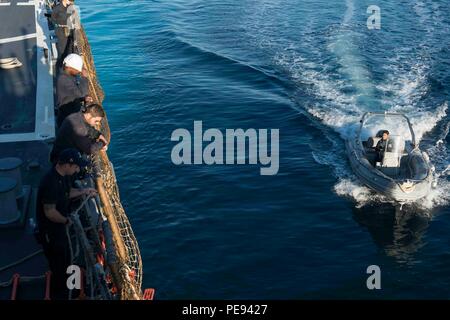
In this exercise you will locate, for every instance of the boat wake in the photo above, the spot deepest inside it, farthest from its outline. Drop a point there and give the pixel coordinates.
(338, 78)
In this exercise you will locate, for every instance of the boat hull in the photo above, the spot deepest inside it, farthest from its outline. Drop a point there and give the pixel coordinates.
(399, 191)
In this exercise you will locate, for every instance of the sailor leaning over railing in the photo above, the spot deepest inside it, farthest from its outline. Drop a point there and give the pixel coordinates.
(72, 88)
(66, 19)
(79, 131)
(76, 84)
(72, 84)
(59, 18)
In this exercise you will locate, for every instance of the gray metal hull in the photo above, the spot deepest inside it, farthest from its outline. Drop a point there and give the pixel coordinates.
(377, 181)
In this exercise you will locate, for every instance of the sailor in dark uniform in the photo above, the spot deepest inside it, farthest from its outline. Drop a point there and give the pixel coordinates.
(72, 88)
(79, 131)
(52, 211)
(59, 18)
(381, 146)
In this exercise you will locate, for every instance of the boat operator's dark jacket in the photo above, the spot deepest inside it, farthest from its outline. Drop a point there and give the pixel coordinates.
(380, 148)
(381, 145)
(75, 132)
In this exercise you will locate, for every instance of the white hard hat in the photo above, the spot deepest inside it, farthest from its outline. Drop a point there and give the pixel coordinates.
(74, 61)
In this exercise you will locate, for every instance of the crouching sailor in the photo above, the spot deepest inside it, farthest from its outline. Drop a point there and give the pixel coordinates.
(72, 88)
(52, 211)
(78, 131)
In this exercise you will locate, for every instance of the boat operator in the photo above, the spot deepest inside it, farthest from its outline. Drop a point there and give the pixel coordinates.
(53, 205)
(59, 18)
(381, 145)
(78, 131)
(72, 88)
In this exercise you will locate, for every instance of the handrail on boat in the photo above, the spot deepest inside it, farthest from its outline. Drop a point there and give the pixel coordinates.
(368, 114)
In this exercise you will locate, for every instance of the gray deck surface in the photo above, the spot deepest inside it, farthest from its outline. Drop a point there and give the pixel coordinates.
(17, 109)
(18, 85)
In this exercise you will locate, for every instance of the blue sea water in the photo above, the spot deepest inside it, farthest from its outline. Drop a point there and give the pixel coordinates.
(309, 68)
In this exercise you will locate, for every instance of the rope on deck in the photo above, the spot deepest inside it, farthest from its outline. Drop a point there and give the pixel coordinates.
(21, 260)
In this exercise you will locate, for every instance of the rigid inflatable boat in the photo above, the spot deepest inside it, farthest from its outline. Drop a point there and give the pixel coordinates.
(400, 171)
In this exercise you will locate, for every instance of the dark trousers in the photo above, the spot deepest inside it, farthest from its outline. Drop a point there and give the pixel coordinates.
(65, 46)
(56, 250)
(380, 155)
(61, 45)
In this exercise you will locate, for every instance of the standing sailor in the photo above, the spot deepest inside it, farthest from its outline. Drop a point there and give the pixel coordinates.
(52, 213)
(72, 88)
(59, 18)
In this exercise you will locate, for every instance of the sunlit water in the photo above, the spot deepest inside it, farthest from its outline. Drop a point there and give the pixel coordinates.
(309, 68)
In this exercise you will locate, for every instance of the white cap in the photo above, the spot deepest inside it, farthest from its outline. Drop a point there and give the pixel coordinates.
(74, 61)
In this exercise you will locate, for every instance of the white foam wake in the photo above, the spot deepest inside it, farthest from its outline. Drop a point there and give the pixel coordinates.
(336, 75)
(405, 89)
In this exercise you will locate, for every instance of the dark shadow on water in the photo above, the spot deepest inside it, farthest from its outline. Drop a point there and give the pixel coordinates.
(398, 231)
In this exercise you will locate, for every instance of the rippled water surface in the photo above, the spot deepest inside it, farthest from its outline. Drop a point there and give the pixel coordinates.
(310, 69)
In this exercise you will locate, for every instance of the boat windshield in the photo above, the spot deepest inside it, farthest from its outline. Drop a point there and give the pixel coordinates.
(396, 125)
(395, 144)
